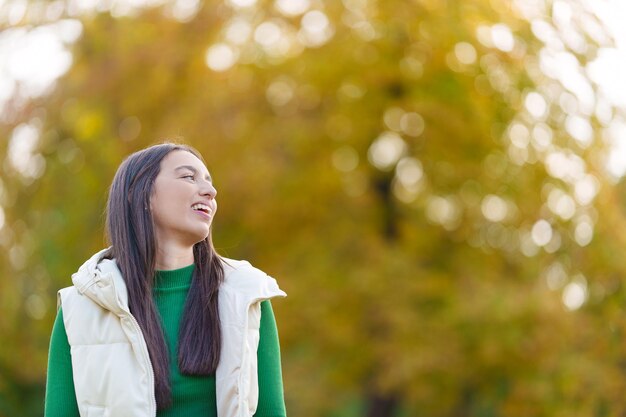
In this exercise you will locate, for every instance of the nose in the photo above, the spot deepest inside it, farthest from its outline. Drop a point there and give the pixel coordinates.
(207, 189)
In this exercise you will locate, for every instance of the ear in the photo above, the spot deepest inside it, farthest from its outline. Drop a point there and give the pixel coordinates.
(150, 205)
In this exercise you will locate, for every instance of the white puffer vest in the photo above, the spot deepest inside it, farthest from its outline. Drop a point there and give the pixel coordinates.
(113, 376)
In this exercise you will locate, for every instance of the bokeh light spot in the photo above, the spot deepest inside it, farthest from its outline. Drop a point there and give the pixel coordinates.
(561, 204)
(267, 34)
(345, 158)
(221, 57)
(293, 7)
(238, 31)
(580, 129)
(583, 234)
(35, 306)
(392, 118)
(241, 4)
(316, 29)
(444, 211)
(129, 128)
(465, 53)
(556, 276)
(386, 150)
(494, 208)
(575, 293)
(536, 105)
(280, 92)
(409, 171)
(412, 124)
(502, 37)
(541, 233)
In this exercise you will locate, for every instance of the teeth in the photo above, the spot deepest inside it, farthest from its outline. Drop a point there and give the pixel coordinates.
(202, 207)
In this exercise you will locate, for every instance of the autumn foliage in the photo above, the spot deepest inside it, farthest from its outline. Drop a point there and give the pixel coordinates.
(403, 168)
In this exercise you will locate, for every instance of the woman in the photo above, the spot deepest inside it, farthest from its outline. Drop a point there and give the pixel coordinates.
(159, 324)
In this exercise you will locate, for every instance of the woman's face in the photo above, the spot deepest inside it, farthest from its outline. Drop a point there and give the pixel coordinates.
(183, 200)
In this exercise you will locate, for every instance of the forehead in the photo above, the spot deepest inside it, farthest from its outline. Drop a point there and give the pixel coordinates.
(179, 158)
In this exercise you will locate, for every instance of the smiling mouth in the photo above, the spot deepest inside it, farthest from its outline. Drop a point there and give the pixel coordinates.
(202, 208)
(208, 213)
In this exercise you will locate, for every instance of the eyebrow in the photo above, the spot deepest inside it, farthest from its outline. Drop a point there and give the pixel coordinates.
(194, 170)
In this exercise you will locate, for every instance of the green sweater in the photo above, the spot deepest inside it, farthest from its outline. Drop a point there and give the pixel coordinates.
(192, 395)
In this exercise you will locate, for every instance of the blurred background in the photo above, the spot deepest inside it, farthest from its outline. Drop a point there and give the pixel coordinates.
(437, 185)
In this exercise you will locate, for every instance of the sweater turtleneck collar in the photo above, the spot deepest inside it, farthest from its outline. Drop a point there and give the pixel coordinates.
(174, 278)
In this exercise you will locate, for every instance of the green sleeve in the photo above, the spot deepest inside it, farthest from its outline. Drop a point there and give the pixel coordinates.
(271, 395)
(60, 395)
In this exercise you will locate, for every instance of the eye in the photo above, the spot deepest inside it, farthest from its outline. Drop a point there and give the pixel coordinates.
(188, 176)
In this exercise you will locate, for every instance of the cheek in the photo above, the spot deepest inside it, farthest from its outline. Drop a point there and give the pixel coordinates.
(163, 208)
(166, 199)
(169, 209)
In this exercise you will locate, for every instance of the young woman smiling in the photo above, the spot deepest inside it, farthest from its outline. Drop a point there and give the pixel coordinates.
(159, 324)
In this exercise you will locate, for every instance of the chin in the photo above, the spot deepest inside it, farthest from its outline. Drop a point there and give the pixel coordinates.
(191, 237)
(199, 236)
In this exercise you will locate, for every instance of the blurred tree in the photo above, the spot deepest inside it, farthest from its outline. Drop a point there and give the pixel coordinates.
(429, 192)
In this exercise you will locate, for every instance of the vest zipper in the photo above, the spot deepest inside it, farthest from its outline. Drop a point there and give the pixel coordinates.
(144, 350)
(148, 362)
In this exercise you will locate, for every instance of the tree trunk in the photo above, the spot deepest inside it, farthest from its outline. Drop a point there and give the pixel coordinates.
(379, 405)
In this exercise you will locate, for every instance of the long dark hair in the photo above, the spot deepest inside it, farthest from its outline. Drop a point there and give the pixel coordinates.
(130, 229)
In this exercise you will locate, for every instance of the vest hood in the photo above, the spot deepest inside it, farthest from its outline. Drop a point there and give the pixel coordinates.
(246, 279)
(100, 279)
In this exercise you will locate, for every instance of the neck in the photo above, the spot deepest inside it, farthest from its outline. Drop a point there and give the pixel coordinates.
(173, 256)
